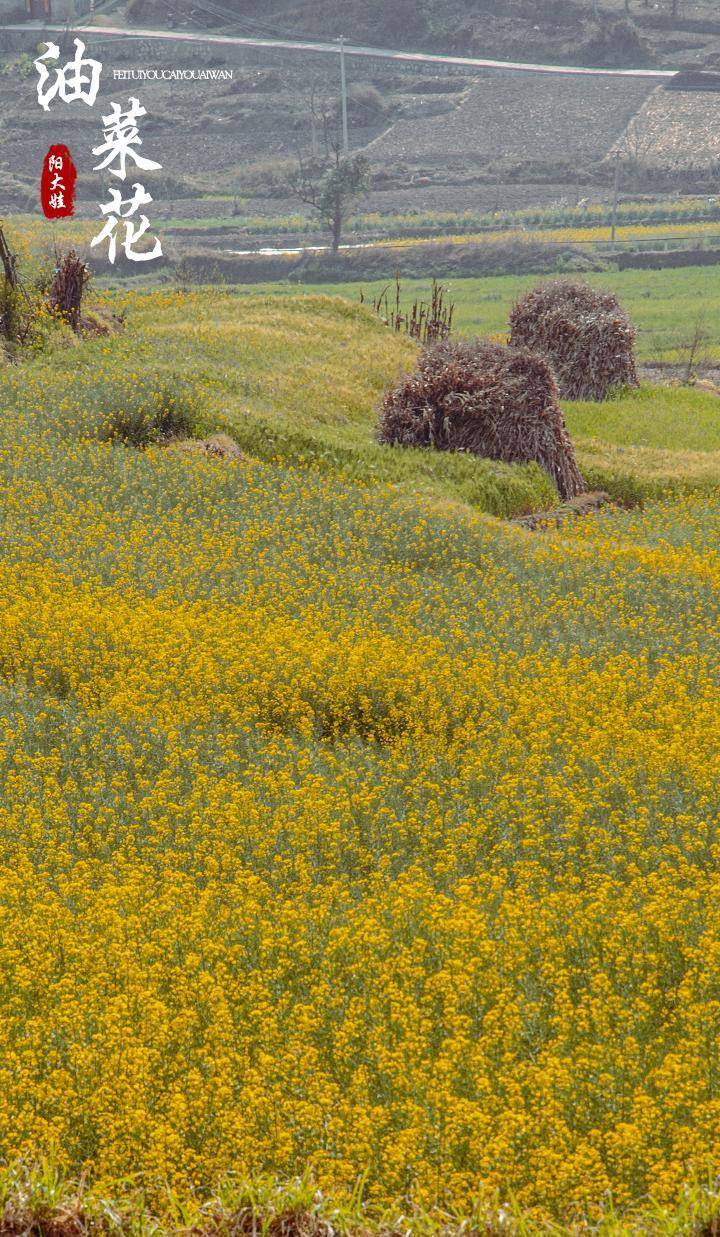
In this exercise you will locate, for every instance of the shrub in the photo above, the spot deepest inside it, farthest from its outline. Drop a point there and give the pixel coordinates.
(143, 416)
(614, 42)
(11, 312)
(366, 103)
(586, 336)
(487, 399)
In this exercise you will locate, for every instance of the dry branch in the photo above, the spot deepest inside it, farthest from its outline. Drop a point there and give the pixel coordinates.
(427, 321)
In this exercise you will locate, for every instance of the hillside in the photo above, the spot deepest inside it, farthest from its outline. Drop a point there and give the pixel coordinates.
(359, 834)
(576, 31)
(438, 142)
(434, 142)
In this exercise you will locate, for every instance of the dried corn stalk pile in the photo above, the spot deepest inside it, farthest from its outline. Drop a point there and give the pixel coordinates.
(67, 288)
(585, 335)
(487, 399)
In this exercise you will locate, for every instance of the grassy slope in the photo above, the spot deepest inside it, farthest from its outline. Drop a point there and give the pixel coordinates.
(654, 440)
(640, 443)
(302, 383)
(666, 438)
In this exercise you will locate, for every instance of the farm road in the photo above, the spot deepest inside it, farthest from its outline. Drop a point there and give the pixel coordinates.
(351, 49)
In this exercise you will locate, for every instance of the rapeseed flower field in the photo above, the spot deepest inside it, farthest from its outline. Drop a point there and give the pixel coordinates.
(344, 829)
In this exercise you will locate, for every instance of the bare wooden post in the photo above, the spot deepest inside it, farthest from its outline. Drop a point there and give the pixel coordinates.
(8, 260)
(616, 196)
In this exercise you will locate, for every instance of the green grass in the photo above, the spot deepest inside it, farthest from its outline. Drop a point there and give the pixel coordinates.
(300, 383)
(644, 443)
(299, 380)
(665, 305)
(41, 1197)
(669, 418)
(637, 445)
(301, 377)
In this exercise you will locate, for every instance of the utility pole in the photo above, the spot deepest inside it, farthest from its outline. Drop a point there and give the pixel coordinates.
(616, 195)
(343, 90)
(313, 124)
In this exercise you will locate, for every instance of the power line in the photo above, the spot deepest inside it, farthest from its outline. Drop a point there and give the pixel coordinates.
(217, 10)
(245, 23)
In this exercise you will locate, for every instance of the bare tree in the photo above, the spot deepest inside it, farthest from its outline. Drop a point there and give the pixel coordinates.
(634, 148)
(331, 187)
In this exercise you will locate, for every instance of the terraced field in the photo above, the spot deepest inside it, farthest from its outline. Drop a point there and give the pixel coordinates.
(512, 118)
(674, 128)
(431, 147)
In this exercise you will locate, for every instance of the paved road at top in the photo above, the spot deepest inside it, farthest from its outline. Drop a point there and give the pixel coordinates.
(351, 49)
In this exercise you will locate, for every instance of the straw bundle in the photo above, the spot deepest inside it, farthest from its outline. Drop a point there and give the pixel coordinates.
(585, 335)
(67, 288)
(488, 399)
